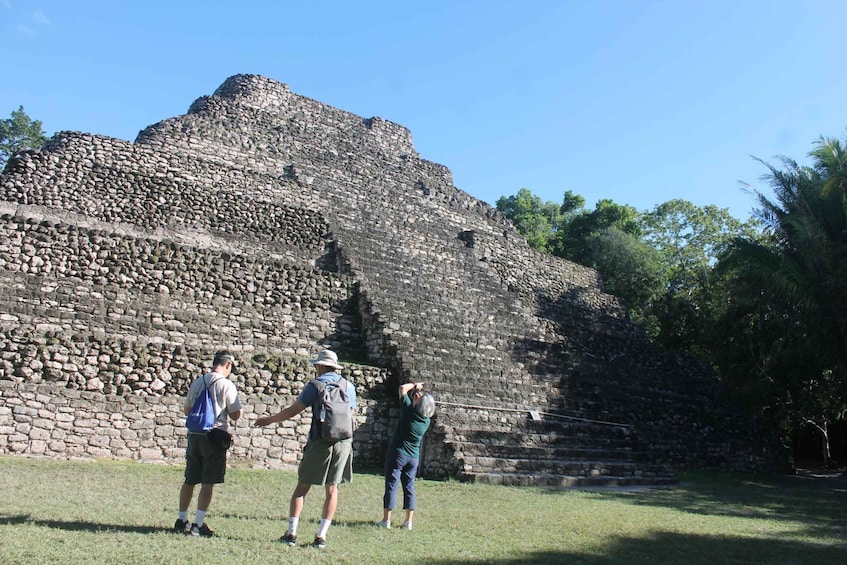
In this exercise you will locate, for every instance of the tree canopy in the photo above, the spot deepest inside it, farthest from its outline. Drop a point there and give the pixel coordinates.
(659, 262)
(536, 220)
(19, 132)
(785, 328)
(689, 239)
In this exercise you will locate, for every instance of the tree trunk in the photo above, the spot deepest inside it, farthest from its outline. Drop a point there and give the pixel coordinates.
(824, 430)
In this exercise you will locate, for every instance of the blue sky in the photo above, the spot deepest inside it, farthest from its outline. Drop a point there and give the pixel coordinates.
(636, 101)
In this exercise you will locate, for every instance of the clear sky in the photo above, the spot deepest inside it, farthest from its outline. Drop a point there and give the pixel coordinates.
(638, 101)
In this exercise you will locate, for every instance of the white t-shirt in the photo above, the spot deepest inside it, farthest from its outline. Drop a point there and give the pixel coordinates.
(224, 395)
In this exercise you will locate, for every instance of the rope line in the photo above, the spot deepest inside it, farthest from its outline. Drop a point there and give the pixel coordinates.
(522, 410)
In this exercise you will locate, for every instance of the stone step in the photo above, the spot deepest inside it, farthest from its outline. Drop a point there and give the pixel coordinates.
(569, 468)
(625, 392)
(540, 447)
(518, 429)
(562, 467)
(553, 452)
(157, 322)
(554, 480)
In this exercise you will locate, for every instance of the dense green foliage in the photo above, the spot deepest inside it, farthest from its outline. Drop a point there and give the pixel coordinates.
(120, 512)
(536, 220)
(19, 132)
(658, 262)
(765, 300)
(632, 270)
(580, 224)
(783, 335)
(688, 239)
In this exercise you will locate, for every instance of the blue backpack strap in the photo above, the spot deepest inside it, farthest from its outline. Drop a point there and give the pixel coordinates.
(213, 401)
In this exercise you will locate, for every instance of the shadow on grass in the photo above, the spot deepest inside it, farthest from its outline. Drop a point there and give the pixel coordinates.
(79, 526)
(670, 548)
(820, 505)
(346, 523)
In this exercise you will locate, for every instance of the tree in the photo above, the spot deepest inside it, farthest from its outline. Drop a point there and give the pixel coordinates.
(689, 239)
(830, 161)
(792, 290)
(659, 263)
(572, 204)
(606, 239)
(535, 219)
(579, 225)
(631, 270)
(19, 132)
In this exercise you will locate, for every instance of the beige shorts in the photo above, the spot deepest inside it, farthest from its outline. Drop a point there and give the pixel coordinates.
(326, 463)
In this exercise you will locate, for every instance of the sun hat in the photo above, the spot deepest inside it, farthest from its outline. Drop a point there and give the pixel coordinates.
(327, 358)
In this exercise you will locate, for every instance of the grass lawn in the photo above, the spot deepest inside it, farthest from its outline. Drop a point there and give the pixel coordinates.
(121, 513)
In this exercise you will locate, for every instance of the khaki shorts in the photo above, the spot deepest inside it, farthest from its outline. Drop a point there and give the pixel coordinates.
(326, 463)
(204, 462)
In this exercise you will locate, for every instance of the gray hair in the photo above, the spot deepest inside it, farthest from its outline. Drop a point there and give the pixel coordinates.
(425, 406)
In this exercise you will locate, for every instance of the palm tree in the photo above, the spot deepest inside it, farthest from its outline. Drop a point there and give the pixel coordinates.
(799, 275)
(830, 159)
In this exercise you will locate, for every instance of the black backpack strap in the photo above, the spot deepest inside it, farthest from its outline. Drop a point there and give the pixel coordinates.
(319, 387)
(314, 427)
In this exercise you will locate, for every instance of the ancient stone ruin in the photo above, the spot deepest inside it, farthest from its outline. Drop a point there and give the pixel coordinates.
(275, 225)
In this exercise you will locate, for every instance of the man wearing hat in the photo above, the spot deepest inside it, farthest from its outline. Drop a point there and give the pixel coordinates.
(324, 462)
(205, 461)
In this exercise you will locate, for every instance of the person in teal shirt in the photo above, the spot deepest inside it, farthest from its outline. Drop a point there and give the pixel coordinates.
(403, 456)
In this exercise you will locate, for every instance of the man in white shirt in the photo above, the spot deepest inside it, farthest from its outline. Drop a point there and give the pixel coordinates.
(205, 460)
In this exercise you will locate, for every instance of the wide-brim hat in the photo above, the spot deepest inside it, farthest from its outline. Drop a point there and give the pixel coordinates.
(326, 358)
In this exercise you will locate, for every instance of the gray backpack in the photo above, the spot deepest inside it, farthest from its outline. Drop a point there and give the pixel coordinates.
(333, 416)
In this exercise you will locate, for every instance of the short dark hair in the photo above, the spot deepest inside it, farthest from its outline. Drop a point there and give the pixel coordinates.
(222, 357)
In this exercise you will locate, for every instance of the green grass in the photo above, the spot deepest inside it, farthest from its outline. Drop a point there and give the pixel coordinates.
(120, 512)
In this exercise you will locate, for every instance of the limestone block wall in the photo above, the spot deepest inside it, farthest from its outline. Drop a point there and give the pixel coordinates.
(69, 278)
(113, 181)
(273, 126)
(118, 262)
(60, 418)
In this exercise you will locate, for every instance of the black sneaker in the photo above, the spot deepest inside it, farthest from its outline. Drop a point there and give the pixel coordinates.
(182, 526)
(320, 543)
(201, 531)
(288, 539)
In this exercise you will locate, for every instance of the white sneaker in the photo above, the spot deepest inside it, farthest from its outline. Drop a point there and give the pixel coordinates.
(407, 525)
(384, 524)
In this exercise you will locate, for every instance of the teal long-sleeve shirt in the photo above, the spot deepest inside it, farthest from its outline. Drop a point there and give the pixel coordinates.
(410, 429)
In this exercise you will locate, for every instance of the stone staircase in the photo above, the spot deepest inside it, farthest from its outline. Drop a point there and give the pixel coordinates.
(552, 451)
